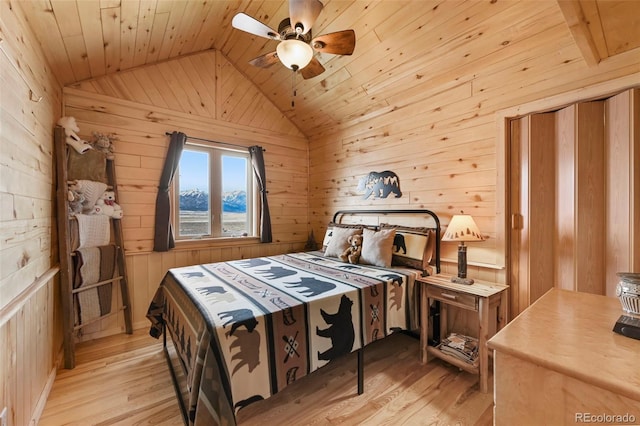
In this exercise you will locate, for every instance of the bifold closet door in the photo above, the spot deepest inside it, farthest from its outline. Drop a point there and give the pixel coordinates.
(574, 198)
(622, 232)
(557, 202)
(532, 200)
(580, 198)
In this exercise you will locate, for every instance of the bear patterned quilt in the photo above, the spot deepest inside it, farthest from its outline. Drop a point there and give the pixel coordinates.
(246, 329)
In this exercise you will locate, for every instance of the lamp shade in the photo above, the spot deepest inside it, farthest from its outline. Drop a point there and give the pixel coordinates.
(294, 54)
(462, 228)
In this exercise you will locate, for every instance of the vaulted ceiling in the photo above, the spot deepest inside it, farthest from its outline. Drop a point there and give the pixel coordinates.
(401, 44)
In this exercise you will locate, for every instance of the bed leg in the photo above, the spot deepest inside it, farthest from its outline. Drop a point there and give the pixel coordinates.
(174, 378)
(360, 371)
(164, 336)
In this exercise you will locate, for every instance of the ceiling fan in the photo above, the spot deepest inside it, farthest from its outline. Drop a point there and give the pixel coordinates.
(296, 46)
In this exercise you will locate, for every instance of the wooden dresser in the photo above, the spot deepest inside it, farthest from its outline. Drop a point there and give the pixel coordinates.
(559, 362)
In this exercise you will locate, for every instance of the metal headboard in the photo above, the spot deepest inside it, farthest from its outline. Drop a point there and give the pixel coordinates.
(340, 213)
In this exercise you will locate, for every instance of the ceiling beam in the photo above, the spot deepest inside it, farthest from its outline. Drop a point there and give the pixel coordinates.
(579, 27)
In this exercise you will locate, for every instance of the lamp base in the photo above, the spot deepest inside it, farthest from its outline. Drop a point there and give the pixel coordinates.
(458, 280)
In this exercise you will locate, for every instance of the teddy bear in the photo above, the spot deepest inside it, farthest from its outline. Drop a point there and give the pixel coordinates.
(90, 192)
(70, 129)
(106, 205)
(352, 253)
(103, 143)
(75, 202)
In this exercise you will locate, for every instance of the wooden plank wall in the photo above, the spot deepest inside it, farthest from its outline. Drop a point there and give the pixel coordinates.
(203, 96)
(442, 138)
(201, 84)
(30, 332)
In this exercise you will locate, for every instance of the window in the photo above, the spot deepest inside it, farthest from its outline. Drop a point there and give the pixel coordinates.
(214, 191)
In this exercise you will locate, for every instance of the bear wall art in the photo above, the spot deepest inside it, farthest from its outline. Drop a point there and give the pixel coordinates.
(380, 185)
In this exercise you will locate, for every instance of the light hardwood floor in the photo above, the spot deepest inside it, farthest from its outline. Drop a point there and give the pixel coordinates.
(124, 380)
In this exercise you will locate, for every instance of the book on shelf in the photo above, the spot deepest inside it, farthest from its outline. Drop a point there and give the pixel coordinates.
(460, 346)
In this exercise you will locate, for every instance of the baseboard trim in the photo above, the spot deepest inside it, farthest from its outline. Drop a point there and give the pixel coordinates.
(112, 331)
(44, 395)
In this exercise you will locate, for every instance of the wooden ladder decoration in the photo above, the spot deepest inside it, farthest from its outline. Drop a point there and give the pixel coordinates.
(67, 292)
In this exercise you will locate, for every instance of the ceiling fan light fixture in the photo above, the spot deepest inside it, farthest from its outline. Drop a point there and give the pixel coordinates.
(294, 54)
(297, 46)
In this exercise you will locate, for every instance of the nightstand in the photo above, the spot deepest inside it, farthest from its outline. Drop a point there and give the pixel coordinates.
(488, 299)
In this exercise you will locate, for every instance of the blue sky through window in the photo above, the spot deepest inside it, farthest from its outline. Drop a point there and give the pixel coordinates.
(234, 173)
(193, 175)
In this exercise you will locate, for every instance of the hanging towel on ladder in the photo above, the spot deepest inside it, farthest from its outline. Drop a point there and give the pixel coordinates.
(93, 265)
(93, 230)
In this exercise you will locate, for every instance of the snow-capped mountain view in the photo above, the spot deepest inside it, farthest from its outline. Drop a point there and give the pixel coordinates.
(197, 200)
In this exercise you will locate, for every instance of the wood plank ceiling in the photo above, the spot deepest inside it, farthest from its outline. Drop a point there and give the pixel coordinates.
(400, 43)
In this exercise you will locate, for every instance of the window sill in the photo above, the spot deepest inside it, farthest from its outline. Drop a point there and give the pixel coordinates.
(216, 242)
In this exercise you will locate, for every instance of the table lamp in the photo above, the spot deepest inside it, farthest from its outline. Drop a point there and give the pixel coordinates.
(462, 228)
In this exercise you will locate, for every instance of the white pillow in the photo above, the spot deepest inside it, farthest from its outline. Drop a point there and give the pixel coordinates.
(377, 247)
(329, 233)
(338, 242)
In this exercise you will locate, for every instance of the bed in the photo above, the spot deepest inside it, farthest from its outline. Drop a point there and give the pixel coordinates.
(243, 330)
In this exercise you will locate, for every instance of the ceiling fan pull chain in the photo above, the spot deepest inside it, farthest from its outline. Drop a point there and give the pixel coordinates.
(293, 88)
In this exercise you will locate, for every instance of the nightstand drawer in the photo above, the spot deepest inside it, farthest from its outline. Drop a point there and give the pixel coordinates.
(452, 297)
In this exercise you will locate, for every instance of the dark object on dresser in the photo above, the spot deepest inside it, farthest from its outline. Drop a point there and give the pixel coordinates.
(628, 326)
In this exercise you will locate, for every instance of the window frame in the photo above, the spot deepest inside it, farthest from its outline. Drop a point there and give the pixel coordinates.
(216, 151)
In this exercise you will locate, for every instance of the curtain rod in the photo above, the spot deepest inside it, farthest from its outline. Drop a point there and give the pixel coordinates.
(217, 142)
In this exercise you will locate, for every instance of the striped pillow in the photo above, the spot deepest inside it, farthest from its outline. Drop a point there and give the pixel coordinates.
(412, 246)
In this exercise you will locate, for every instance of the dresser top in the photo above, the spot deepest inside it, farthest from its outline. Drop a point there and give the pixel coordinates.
(571, 333)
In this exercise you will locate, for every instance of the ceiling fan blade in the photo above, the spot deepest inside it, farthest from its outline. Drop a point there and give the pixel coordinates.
(246, 23)
(266, 60)
(313, 69)
(304, 13)
(338, 43)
